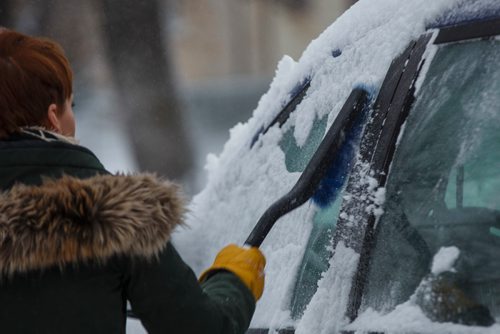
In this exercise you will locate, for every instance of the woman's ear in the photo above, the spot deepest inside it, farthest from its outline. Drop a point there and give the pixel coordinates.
(54, 124)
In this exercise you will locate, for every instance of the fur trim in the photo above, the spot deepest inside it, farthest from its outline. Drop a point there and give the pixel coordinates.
(72, 220)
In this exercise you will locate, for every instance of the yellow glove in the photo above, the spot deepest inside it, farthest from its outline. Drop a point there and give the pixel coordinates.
(246, 263)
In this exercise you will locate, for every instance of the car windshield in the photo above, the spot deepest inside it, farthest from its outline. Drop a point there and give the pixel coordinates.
(325, 202)
(444, 190)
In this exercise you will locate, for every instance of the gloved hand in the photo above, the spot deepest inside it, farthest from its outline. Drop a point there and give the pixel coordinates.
(246, 263)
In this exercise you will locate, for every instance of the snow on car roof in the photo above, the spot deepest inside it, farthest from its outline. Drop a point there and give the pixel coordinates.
(356, 50)
(467, 11)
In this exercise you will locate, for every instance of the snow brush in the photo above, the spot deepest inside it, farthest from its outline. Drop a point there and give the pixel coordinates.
(318, 167)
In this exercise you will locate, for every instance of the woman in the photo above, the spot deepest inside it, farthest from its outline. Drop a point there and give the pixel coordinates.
(76, 242)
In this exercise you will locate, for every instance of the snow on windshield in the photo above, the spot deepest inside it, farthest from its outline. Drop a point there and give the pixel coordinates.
(243, 182)
(444, 260)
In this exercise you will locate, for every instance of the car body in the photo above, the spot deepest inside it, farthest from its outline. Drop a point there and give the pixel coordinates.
(403, 233)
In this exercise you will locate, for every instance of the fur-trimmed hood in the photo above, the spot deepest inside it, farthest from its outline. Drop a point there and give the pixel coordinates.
(72, 220)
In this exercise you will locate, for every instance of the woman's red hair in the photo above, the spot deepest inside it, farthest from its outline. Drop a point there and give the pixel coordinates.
(34, 73)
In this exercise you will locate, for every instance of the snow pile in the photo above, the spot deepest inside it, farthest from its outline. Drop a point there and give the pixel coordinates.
(335, 285)
(244, 181)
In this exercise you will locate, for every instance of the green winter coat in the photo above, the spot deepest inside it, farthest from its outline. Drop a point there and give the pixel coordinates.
(76, 243)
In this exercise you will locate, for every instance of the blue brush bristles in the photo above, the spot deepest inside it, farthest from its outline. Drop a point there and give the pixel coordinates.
(332, 183)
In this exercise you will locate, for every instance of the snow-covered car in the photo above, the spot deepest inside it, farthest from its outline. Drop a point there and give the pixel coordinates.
(403, 233)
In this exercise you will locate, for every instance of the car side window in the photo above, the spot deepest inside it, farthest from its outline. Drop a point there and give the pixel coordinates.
(444, 190)
(297, 157)
(326, 202)
(297, 94)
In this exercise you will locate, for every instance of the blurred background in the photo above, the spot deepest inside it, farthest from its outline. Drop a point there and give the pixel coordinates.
(158, 83)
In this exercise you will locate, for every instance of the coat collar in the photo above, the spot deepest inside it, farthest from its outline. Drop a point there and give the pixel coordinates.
(46, 135)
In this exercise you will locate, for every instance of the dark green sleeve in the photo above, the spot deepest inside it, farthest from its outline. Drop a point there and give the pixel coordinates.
(166, 296)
